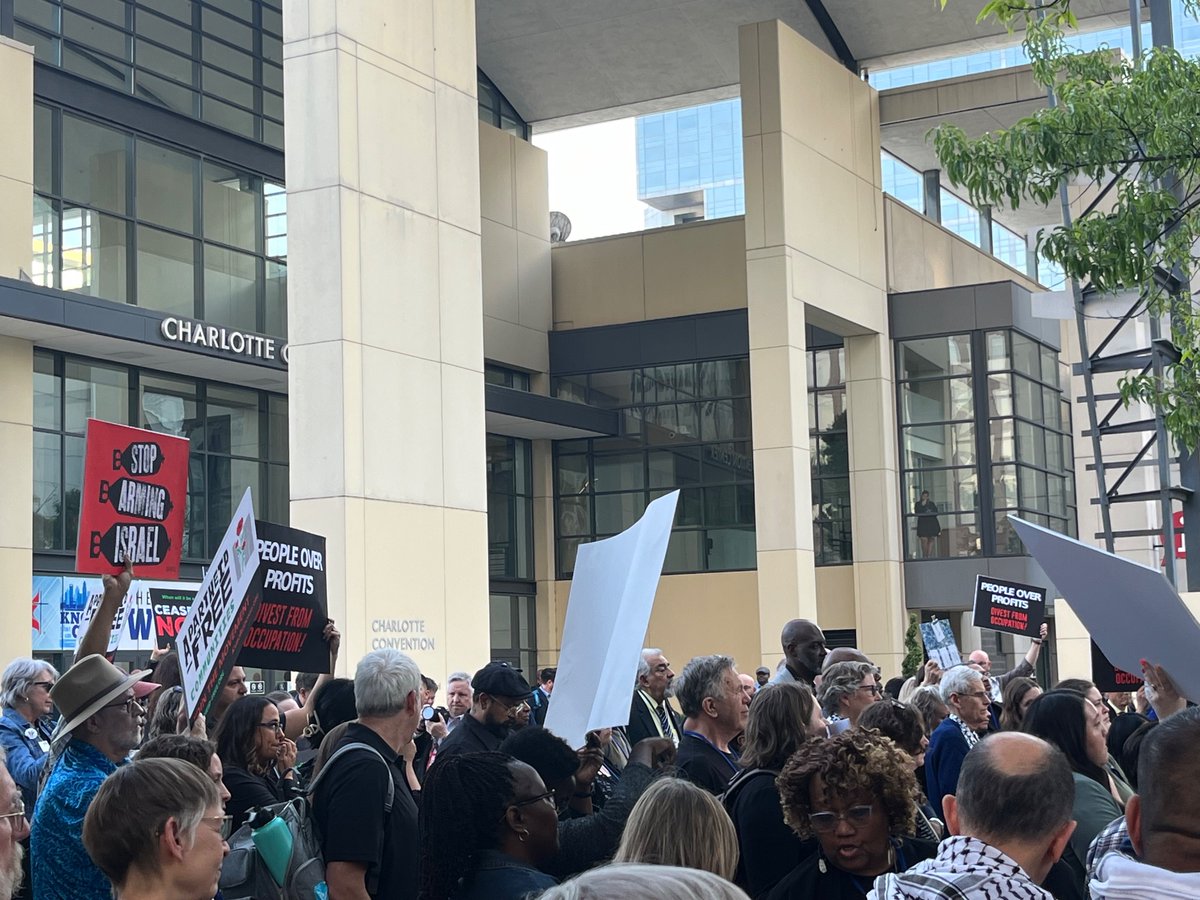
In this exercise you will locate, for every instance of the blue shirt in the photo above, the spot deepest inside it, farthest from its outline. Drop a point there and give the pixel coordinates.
(499, 877)
(943, 761)
(26, 758)
(61, 867)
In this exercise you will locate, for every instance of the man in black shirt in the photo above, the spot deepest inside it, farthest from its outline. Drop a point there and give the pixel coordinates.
(500, 690)
(369, 853)
(711, 697)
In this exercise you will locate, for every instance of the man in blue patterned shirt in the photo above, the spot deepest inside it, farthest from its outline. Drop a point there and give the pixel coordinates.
(101, 724)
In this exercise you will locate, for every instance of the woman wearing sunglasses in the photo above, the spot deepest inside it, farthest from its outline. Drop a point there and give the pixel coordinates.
(259, 760)
(855, 793)
(488, 823)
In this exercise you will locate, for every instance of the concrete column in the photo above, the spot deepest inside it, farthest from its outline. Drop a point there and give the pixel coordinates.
(876, 517)
(814, 255)
(385, 311)
(548, 631)
(16, 356)
(1031, 241)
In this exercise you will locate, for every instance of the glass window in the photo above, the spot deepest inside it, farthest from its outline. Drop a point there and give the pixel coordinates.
(42, 13)
(43, 264)
(942, 400)
(925, 446)
(997, 351)
(93, 35)
(166, 266)
(162, 61)
(94, 391)
(230, 288)
(510, 507)
(1026, 356)
(935, 357)
(93, 67)
(43, 143)
(166, 187)
(233, 422)
(94, 164)
(47, 393)
(167, 93)
(95, 254)
(949, 489)
(231, 206)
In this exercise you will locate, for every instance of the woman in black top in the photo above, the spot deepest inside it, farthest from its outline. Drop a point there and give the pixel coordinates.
(258, 759)
(781, 720)
(928, 526)
(855, 793)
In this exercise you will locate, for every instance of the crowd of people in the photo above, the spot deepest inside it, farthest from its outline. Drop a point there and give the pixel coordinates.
(817, 780)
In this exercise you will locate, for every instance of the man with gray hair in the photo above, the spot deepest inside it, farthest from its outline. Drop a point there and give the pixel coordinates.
(458, 698)
(369, 851)
(1011, 819)
(847, 688)
(711, 697)
(963, 693)
(650, 714)
(14, 828)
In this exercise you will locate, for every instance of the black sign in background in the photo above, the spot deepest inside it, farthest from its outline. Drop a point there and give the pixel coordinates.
(993, 613)
(288, 628)
(1108, 677)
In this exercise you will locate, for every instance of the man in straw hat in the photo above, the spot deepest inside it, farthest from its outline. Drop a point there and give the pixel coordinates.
(101, 723)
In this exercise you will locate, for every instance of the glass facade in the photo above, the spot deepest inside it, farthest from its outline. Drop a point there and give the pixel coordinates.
(902, 181)
(238, 438)
(513, 599)
(975, 406)
(689, 163)
(219, 61)
(832, 538)
(495, 109)
(684, 426)
(124, 218)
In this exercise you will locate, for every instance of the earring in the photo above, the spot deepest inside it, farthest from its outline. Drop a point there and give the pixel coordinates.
(521, 835)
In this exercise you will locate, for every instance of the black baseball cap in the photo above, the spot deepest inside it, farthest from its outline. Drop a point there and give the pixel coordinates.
(499, 679)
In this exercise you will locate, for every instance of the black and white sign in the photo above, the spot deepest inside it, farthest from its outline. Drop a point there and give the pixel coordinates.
(1008, 606)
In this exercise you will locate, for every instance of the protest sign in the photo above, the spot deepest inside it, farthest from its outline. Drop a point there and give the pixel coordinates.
(608, 612)
(1009, 606)
(222, 613)
(288, 630)
(1108, 677)
(1131, 611)
(146, 617)
(940, 645)
(134, 490)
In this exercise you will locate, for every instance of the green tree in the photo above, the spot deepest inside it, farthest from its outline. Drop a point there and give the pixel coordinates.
(914, 657)
(1131, 127)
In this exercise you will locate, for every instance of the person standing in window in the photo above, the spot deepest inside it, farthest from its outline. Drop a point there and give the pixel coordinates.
(928, 526)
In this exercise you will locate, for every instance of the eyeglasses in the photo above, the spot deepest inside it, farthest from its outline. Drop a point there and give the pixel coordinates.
(18, 812)
(276, 726)
(224, 825)
(855, 817)
(548, 797)
(979, 695)
(873, 688)
(46, 684)
(127, 703)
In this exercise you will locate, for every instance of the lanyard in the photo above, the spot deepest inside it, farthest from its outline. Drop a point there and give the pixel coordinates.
(728, 757)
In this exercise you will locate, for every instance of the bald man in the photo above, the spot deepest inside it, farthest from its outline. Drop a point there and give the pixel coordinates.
(1024, 669)
(803, 651)
(1011, 820)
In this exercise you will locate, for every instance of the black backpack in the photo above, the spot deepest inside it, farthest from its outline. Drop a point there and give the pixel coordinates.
(244, 874)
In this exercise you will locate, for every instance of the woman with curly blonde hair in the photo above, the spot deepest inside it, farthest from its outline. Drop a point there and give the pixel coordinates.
(856, 793)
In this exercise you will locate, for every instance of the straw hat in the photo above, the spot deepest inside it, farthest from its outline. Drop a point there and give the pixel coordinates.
(91, 684)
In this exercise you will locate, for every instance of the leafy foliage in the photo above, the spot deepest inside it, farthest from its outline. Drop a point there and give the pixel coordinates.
(914, 657)
(1134, 124)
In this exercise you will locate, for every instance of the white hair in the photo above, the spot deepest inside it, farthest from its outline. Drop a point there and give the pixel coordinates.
(19, 675)
(458, 676)
(383, 681)
(639, 881)
(643, 669)
(958, 680)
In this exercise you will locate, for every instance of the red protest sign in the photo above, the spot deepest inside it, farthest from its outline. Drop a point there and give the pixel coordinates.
(134, 491)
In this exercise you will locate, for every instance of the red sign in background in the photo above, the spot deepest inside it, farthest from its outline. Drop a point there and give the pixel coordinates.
(134, 493)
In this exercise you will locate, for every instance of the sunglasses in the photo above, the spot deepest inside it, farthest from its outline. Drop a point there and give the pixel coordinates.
(127, 703)
(855, 816)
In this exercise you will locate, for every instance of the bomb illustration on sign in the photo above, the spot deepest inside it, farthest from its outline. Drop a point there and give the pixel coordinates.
(132, 509)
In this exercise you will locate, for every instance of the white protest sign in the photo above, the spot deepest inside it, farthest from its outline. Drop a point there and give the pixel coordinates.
(219, 619)
(133, 627)
(1131, 611)
(608, 612)
(940, 645)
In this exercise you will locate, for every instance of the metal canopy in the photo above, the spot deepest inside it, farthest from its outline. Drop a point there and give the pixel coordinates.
(566, 62)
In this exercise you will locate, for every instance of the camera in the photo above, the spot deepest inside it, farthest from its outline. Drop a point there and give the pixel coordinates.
(429, 713)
